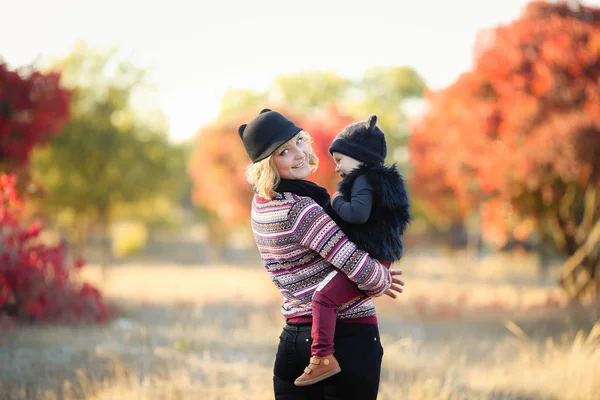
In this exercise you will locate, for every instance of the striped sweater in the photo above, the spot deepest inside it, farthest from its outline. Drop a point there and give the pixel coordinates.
(300, 245)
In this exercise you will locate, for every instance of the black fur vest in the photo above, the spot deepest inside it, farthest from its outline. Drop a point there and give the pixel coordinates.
(381, 235)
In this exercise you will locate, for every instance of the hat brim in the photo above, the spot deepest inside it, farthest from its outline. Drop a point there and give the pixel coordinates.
(283, 139)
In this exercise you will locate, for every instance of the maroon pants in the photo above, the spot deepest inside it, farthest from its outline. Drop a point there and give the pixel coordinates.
(333, 293)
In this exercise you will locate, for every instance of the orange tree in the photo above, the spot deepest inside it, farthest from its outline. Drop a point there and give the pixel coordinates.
(519, 135)
(217, 166)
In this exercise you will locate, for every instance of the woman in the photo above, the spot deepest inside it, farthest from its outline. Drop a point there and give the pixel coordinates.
(302, 248)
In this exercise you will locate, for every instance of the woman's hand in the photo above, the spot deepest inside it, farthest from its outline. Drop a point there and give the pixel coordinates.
(396, 283)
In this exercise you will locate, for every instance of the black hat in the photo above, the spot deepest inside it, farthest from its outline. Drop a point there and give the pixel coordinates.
(265, 133)
(363, 141)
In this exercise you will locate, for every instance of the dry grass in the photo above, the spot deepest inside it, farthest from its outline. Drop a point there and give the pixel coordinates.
(174, 283)
(568, 370)
(198, 285)
(192, 342)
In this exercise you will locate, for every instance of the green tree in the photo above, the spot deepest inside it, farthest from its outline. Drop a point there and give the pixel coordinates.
(384, 91)
(106, 157)
(309, 90)
(238, 101)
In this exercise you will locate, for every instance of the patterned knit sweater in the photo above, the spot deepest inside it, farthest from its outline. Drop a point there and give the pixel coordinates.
(301, 245)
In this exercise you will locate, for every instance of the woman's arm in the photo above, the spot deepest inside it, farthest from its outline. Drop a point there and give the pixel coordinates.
(314, 229)
(358, 208)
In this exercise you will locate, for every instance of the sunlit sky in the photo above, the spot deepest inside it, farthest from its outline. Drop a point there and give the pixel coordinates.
(199, 49)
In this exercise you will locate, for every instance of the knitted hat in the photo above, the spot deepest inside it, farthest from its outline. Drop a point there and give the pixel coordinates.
(363, 141)
(265, 133)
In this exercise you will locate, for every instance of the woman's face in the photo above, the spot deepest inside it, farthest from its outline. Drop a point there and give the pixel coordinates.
(291, 159)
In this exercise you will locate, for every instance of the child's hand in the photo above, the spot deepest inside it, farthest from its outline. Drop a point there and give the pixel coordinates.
(334, 195)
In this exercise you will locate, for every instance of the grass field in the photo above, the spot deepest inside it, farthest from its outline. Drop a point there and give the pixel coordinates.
(211, 332)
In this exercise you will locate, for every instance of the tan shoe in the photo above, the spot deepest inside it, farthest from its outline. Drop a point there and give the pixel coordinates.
(318, 369)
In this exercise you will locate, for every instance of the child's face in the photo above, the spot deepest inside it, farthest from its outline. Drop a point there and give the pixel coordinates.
(344, 164)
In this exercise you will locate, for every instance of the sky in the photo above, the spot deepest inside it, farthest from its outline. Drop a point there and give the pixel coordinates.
(199, 49)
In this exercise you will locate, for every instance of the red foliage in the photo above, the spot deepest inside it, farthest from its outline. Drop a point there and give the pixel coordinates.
(518, 128)
(323, 129)
(33, 107)
(219, 162)
(36, 284)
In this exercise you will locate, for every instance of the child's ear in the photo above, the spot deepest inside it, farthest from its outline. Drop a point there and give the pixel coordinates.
(371, 122)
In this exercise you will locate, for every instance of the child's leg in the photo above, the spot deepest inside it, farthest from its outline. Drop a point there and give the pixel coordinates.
(332, 293)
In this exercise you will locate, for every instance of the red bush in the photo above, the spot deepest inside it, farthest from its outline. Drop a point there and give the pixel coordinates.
(36, 284)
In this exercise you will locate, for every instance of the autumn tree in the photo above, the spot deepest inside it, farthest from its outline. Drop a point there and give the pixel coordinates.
(36, 282)
(519, 136)
(323, 127)
(33, 107)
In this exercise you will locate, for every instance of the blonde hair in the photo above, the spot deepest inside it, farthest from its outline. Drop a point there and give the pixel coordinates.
(263, 175)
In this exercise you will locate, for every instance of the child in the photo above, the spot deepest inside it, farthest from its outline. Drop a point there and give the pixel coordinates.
(372, 208)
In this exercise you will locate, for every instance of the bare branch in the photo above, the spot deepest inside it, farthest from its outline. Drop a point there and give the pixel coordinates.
(566, 202)
(557, 233)
(589, 211)
(582, 252)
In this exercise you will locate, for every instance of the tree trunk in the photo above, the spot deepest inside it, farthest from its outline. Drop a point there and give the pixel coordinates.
(78, 236)
(217, 237)
(106, 245)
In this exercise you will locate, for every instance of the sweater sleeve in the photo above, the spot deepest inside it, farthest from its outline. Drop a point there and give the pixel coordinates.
(358, 208)
(313, 228)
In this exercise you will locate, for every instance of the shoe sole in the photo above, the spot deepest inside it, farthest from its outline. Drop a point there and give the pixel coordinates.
(319, 379)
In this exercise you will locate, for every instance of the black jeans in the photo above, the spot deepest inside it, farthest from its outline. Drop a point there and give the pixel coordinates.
(358, 350)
